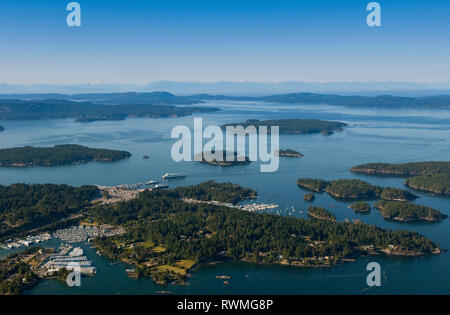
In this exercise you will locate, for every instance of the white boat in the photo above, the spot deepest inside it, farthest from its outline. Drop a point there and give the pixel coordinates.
(152, 182)
(161, 186)
(173, 175)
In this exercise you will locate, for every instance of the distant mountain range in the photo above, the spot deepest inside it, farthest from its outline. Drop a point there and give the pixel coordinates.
(239, 88)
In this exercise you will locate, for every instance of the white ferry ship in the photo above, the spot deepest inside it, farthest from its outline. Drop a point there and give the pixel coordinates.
(173, 175)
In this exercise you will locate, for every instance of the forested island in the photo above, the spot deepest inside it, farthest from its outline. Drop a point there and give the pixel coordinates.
(58, 155)
(360, 207)
(288, 153)
(404, 169)
(354, 189)
(87, 112)
(433, 177)
(166, 236)
(321, 214)
(219, 158)
(408, 212)
(25, 207)
(293, 126)
(2, 128)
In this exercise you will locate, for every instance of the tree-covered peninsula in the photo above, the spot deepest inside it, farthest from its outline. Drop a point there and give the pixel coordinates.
(405, 169)
(433, 177)
(437, 184)
(293, 126)
(222, 192)
(57, 155)
(320, 213)
(407, 212)
(166, 236)
(354, 189)
(317, 185)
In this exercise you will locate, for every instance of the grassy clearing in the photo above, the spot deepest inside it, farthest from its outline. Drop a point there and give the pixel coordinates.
(173, 269)
(185, 264)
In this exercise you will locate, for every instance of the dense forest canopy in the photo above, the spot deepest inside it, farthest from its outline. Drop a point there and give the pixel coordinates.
(405, 211)
(210, 190)
(58, 155)
(354, 189)
(163, 231)
(321, 213)
(437, 184)
(405, 169)
(293, 126)
(15, 274)
(431, 177)
(317, 185)
(84, 111)
(360, 207)
(23, 207)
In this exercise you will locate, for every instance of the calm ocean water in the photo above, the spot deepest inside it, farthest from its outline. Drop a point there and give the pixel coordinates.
(373, 135)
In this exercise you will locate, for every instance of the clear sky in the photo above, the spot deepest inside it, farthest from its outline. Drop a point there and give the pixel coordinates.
(137, 41)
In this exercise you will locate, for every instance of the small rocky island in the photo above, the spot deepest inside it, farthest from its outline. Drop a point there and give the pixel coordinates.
(67, 154)
(219, 158)
(360, 207)
(288, 153)
(309, 197)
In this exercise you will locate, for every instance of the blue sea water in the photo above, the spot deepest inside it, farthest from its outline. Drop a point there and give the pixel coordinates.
(373, 135)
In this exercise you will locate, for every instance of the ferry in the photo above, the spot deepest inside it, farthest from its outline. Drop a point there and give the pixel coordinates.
(152, 182)
(173, 175)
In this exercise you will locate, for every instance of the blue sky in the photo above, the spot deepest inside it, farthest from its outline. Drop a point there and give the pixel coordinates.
(136, 41)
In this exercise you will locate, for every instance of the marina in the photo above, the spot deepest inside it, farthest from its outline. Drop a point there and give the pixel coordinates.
(71, 259)
(77, 234)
